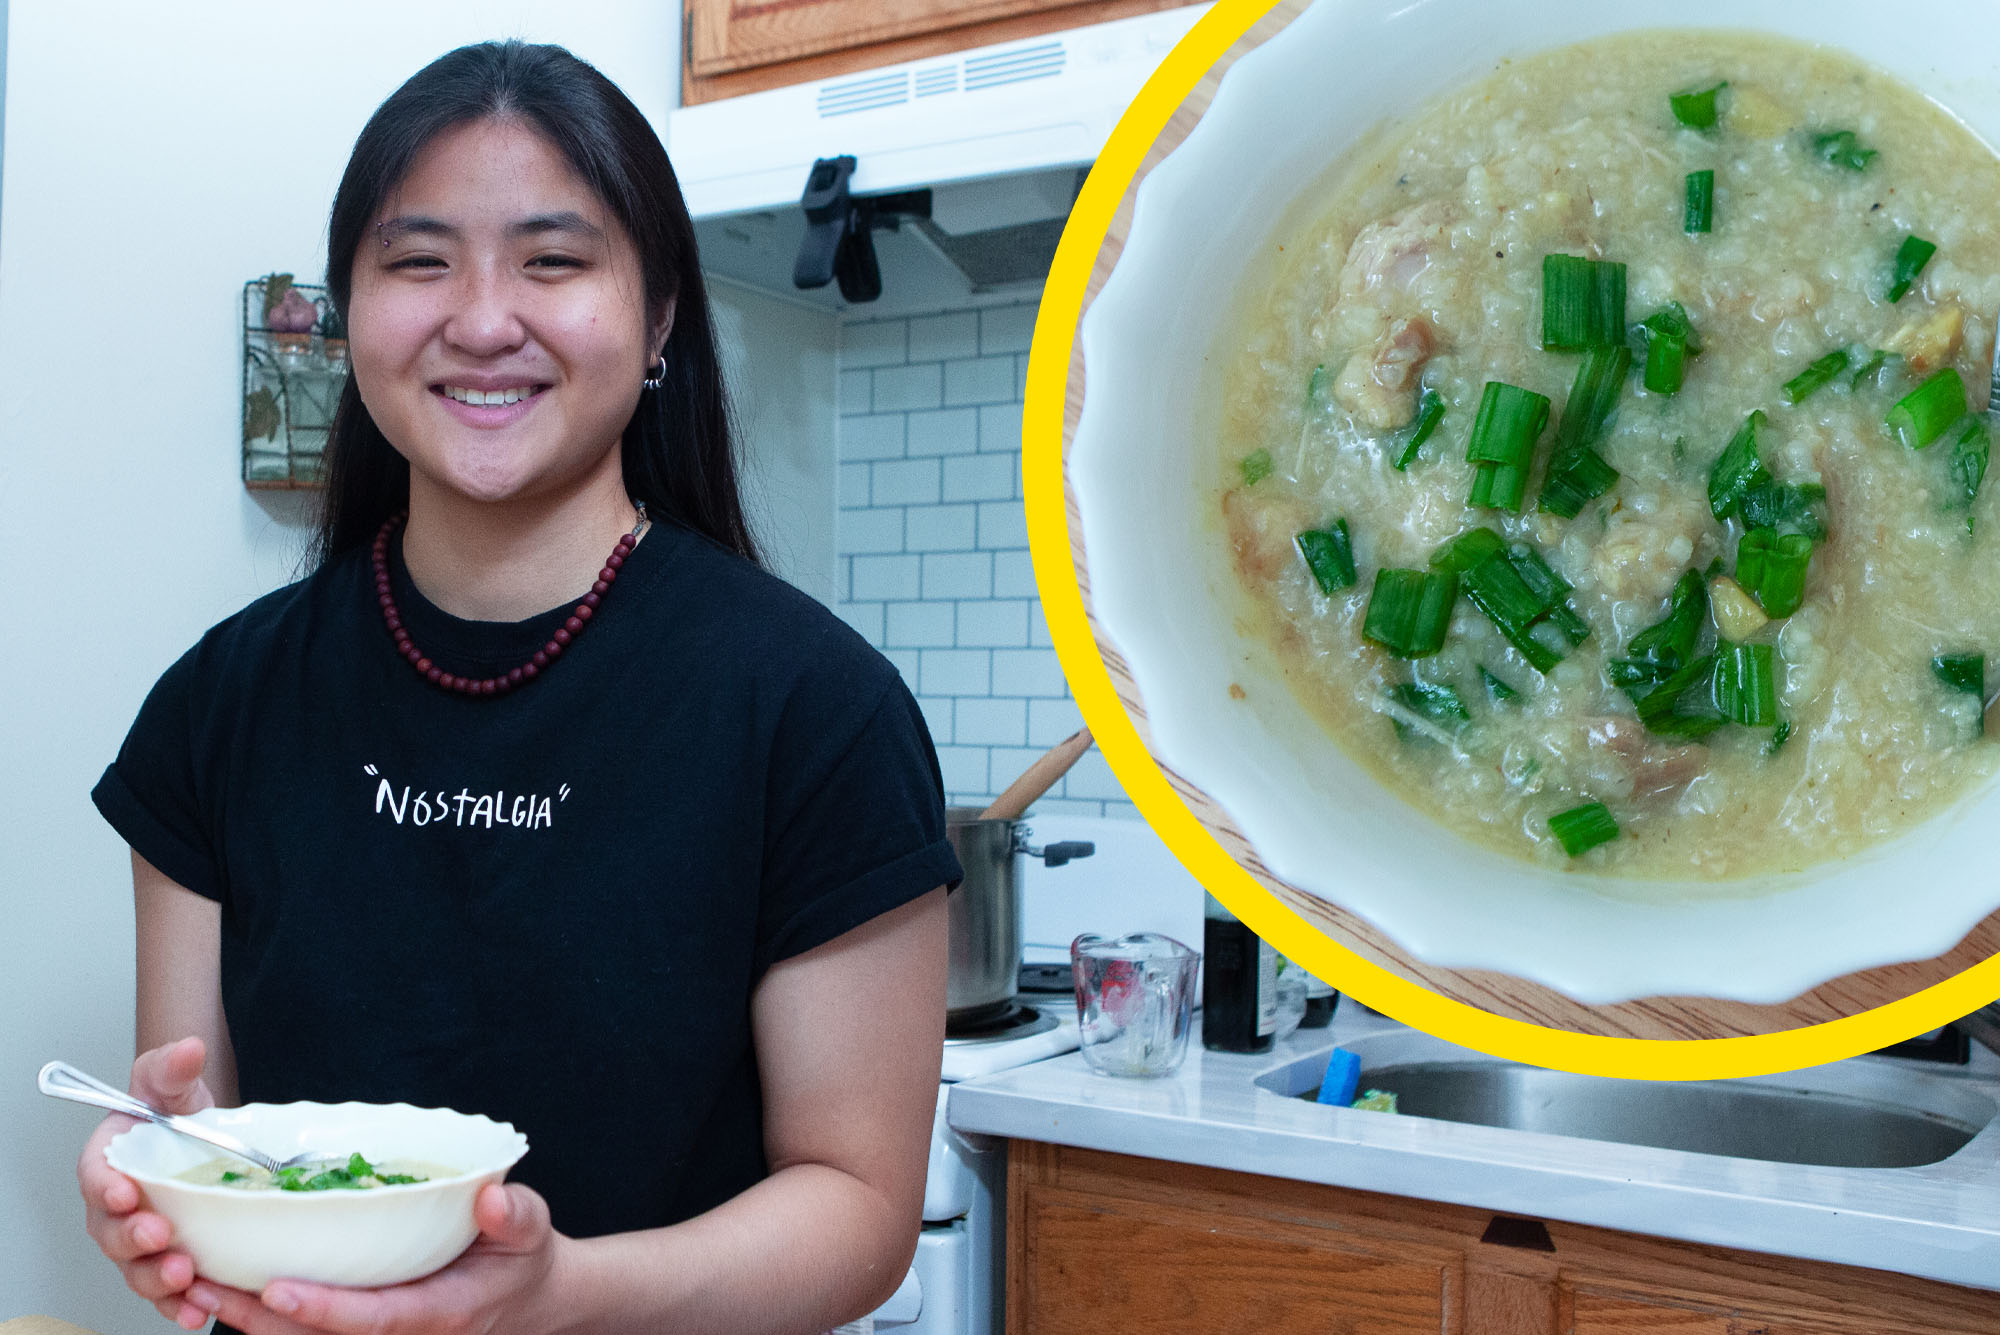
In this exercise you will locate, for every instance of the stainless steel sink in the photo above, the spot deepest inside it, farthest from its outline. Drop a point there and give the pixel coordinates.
(1850, 1115)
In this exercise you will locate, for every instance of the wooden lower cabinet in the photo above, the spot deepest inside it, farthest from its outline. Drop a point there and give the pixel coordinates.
(1105, 1242)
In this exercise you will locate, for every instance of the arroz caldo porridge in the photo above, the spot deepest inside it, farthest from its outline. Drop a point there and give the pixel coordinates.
(1604, 463)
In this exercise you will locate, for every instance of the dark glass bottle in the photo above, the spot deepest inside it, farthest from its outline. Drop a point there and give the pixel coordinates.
(1239, 989)
(1319, 1003)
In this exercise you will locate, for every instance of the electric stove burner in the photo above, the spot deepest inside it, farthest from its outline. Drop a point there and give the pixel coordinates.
(1016, 1021)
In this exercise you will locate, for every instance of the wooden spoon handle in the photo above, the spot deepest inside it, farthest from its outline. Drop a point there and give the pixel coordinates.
(1040, 777)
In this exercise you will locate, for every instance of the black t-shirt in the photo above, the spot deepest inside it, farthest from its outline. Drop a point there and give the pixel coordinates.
(550, 907)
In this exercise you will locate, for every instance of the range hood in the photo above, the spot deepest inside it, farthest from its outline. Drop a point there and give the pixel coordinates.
(1000, 135)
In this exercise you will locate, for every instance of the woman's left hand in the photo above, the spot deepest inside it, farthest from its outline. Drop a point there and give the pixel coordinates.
(498, 1287)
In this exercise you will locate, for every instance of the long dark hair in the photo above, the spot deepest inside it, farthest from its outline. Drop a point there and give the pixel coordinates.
(677, 452)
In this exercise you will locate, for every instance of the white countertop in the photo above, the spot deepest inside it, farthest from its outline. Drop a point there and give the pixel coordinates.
(1939, 1221)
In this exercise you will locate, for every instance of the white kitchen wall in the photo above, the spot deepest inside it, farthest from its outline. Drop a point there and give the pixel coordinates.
(934, 565)
(156, 156)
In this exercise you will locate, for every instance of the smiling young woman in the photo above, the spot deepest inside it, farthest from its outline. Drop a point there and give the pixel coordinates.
(539, 798)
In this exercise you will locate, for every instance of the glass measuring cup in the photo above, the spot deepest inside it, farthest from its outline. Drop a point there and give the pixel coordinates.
(1134, 996)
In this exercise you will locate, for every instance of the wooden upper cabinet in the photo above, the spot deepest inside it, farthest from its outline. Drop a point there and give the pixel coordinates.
(731, 47)
(726, 35)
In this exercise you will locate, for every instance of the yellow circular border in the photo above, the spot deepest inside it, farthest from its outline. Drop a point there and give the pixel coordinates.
(1170, 818)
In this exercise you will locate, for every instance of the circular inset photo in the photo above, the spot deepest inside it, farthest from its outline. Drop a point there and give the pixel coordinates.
(1528, 489)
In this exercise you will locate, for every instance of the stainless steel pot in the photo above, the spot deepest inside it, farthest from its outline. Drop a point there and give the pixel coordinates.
(985, 911)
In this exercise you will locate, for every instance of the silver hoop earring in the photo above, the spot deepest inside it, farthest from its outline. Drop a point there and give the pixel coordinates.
(658, 377)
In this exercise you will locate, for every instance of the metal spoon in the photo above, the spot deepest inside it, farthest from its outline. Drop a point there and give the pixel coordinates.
(64, 1081)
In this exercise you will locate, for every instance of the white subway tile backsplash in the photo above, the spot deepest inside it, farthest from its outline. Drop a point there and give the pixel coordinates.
(945, 431)
(990, 722)
(954, 575)
(933, 542)
(938, 338)
(1091, 777)
(856, 392)
(993, 624)
(979, 477)
(853, 482)
(867, 437)
(1006, 328)
(1013, 575)
(866, 618)
(943, 528)
(964, 769)
(1049, 721)
(902, 389)
(1068, 806)
(1010, 763)
(1000, 428)
(978, 380)
(919, 626)
(1028, 672)
(872, 343)
(886, 577)
(1003, 524)
(906, 482)
(956, 672)
(861, 531)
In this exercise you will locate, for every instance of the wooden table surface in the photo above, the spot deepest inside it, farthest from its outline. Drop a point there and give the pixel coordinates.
(1499, 994)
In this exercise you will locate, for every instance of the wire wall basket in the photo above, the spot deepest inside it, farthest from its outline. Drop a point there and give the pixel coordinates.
(294, 370)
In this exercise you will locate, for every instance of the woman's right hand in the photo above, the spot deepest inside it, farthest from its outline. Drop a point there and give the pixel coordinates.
(138, 1241)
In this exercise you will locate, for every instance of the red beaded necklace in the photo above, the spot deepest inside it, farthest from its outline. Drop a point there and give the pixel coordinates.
(528, 671)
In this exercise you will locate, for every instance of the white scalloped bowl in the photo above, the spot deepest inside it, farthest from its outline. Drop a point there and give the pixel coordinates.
(383, 1235)
(1163, 591)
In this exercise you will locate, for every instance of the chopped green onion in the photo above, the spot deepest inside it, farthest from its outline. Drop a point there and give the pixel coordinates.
(1667, 646)
(1965, 673)
(1807, 382)
(1737, 469)
(1968, 458)
(1922, 415)
(1771, 567)
(1434, 704)
(1313, 383)
(1868, 368)
(1430, 411)
(1911, 257)
(1785, 507)
(1842, 148)
(1666, 363)
(1778, 736)
(1745, 684)
(1502, 445)
(1962, 672)
(1583, 828)
(1583, 303)
(1673, 319)
(1410, 610)
(1499, 690)
(231, 1175)
(1670, 341)
(1696, 107)
(1329, 555)
(1699, 213)
(1753, 556)
(1577, 473)
(1682, 705)
(1551, 588)
(1256, 467)
(1516, 590)
(1575, 482)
